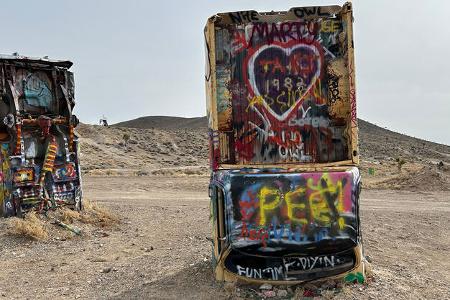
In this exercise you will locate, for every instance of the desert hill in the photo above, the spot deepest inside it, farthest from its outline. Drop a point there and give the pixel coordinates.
(380, 143)
(375, 141)
(147, 151)
(179, 146)
(164, 122)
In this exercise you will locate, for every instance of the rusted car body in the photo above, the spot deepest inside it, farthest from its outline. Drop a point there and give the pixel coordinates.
(285, 182)
(39, 154)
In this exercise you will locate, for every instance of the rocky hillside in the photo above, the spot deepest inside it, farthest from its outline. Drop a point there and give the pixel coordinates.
(112, 150)
(163, 122)
(380, 144)
(174, 145)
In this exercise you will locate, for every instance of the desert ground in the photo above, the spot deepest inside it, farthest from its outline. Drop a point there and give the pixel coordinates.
(158, 247)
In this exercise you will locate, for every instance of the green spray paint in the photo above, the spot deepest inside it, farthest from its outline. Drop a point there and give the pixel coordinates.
(354, 277)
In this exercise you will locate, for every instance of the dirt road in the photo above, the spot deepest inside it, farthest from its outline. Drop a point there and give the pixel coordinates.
(160, 250)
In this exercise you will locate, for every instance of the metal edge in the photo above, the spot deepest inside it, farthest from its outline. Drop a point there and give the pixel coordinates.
(222, 274)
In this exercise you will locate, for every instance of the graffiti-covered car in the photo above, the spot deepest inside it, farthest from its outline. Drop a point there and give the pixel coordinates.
(39, 151)
(283, 134)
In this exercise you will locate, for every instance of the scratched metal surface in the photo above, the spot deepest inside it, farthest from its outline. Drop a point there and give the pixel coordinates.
(283, 87)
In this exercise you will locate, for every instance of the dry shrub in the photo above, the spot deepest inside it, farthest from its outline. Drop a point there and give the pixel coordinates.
(94, 172)
(181, 171)
(31, 226)
(195, 171)
(328, 294)
(163, 172)
(93, 213)
(69, 215)
(37, 226)
(99, 214)
(110, 173)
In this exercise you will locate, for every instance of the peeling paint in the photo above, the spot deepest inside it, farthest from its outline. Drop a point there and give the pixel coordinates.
(281, 105)
(39, 150)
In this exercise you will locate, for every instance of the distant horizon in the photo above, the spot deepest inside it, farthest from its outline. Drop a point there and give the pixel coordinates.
(204, 116)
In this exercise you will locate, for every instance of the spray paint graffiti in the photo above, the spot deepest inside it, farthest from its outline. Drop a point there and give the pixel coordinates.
(64, 172)
(282, 74)
(243, 16)
(281, 100)
(352, 94)
(269, 214)
(333, 87)
(39, 156)
(290, 265)
(269, 33)
(357, 277)
(293, 209)
(279, 86)
(37, 92)
(314, 11)
(290, 268)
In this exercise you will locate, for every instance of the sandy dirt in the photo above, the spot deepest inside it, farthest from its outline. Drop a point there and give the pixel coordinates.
(160, 250)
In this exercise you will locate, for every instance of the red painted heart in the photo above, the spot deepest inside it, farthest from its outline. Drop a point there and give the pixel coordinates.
(282, 74)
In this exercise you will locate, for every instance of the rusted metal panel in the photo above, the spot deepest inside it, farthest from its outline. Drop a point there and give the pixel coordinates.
(21, 59)
(283, 130)
(223, 77)
(348, 16)
(39, 157)
(251, 274)
(287, 226)
(283, 86)
(295, 13)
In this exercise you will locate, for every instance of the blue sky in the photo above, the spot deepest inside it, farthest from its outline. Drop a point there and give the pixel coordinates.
(136, 58)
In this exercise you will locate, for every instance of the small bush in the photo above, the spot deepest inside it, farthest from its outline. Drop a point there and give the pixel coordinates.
(126, 137)
(400, 163)
(31, 226)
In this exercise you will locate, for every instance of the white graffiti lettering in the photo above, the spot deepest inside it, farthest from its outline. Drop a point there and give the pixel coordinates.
(290, 264)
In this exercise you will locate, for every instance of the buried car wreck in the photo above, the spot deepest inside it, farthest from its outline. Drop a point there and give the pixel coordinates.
(285, 182)
(38, 148)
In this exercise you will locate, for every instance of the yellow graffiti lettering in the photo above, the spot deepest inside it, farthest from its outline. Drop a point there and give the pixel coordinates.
(282, 104)
(341, 223)
(319, 207)
(320, 211)
(330, 26)
(318, 201)
(269, 200)
(317, 89)
(293, 97)
(293, 206)
(253, 101)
